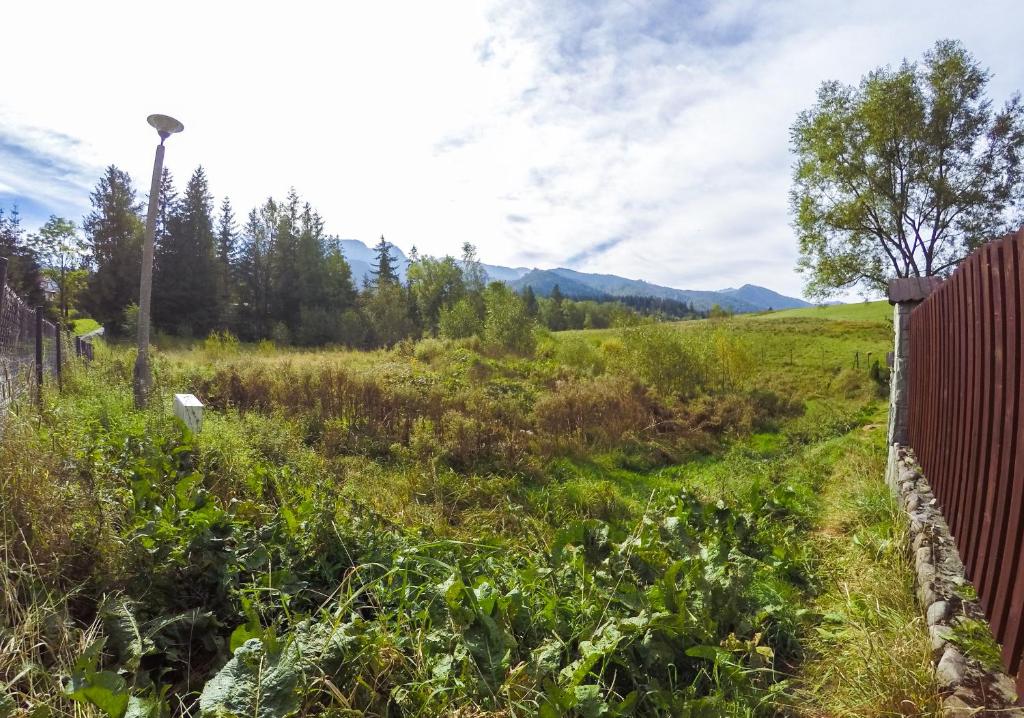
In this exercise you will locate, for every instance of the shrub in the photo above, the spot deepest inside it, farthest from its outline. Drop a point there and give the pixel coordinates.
(426, 350)
(460, 320)
(853, 384)
(220, 344)
(720, 415)
(603, 410)
(266, 347)
(280, 335)
(318, 326)
(662, 358)
(507, 326)
(579, 353)
(129, 326)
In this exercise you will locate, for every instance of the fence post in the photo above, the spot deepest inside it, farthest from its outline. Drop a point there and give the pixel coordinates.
(39, 355)
(3, 282)
(59, 355)
(904, 294)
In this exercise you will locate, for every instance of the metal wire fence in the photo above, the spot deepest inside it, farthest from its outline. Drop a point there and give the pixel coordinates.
(31, 348)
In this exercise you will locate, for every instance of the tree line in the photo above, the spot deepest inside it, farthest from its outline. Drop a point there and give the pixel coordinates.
(278, 275)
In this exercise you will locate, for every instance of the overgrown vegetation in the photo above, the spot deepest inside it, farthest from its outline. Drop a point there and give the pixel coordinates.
(600, 524)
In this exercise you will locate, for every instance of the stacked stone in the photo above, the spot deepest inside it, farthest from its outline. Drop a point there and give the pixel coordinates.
(968, 687)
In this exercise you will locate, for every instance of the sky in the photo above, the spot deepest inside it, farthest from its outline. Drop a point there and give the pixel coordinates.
(645, 139)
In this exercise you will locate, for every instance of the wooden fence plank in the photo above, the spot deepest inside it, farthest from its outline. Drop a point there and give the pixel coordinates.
(988, 483)
(977, 479)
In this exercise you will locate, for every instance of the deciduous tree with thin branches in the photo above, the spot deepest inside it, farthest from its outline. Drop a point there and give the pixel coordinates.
(905, 174)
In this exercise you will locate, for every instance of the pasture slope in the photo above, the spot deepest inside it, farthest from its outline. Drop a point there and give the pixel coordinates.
(662, 520)
(875, 312)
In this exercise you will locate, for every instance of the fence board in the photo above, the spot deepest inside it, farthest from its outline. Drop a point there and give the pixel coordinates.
(967, 424)
(981, 442)
(994, 485)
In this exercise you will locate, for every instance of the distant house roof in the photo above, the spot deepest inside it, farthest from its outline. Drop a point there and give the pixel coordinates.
(49, 286)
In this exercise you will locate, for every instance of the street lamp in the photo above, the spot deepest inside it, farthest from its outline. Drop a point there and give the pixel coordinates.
(165, 127)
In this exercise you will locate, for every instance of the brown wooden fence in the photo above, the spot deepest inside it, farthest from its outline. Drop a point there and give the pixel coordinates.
(966, 424)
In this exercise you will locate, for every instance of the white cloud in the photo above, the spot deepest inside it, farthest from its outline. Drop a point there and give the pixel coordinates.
(655, 133)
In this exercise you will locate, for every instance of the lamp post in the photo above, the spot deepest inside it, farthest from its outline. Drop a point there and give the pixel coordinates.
(165, 127)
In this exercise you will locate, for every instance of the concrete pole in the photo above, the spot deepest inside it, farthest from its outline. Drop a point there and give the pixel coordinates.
(143, 377)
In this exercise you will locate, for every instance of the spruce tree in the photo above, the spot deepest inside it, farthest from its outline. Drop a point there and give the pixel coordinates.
(227, 237)
(252, 271)
(556, 318)
(286, 299)
(23, 272)
(166, 202)
(309, 258)
(384, 268)
(530, 301)
(185, 290)
(113, 232)
(339, 289)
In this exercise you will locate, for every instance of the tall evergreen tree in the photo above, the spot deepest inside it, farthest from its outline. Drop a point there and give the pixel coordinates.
(227, 238)
(286, 300)
(185, 296)
(252, 271)
(166, 202)
(23, 273)
(530, 302)
(384, 268)
(556, 319)
(113, 233)
(309, 258)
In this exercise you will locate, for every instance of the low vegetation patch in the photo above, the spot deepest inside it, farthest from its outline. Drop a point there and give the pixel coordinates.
(438, 529)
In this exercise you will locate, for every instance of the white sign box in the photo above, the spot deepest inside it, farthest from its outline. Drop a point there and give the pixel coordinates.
(190, 410)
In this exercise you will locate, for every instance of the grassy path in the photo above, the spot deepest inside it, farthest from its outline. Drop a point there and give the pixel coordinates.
(869, 656)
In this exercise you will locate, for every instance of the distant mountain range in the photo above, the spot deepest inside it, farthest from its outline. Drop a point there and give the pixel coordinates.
(582, 285)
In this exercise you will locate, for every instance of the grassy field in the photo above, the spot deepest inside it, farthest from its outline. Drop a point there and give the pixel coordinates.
(661, 520)
(84, 326)
(876, 312)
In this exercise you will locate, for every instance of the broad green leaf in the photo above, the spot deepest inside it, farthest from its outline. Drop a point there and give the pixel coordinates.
(589, 701)
(266, 681)
(709, 653)
(140, 707)
(103, 689)
(242, 634)
(120, 626)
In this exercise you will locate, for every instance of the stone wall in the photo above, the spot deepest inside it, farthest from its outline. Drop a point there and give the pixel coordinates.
(968, 687)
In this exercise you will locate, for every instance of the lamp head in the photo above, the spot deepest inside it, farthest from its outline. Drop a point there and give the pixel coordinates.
(164, 125)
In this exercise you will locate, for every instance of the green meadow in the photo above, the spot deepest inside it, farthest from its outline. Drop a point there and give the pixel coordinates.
(658, 520)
